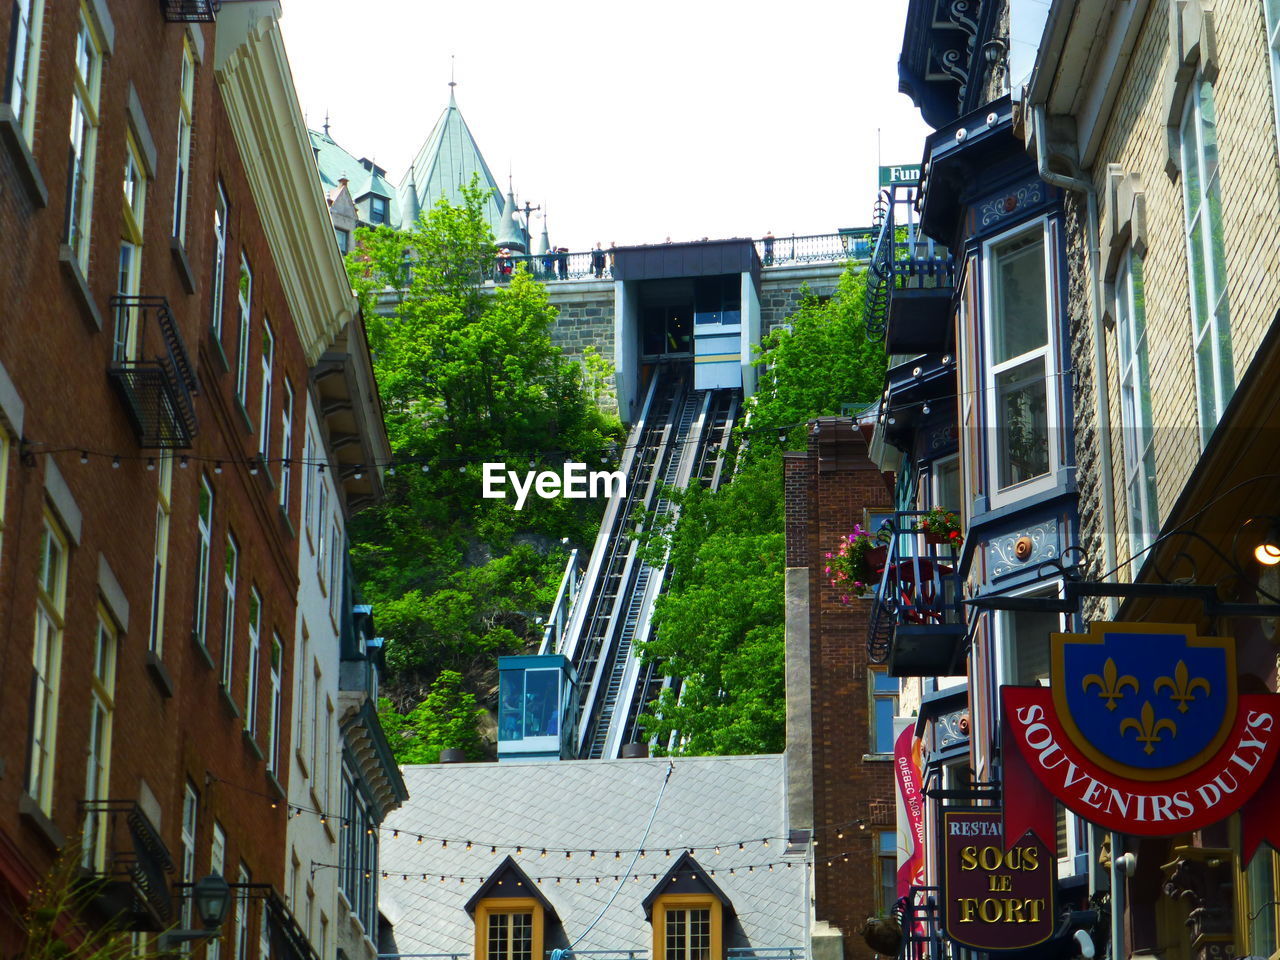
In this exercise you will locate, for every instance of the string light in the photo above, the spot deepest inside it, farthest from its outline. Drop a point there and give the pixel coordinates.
(151, 463)
(115, 462)
(84, 456)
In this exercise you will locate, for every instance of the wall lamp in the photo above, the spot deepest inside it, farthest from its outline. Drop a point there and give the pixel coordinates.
(212, 896)
(1268, 551)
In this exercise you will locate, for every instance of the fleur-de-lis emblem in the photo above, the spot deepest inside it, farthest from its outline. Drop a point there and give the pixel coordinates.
(1149, 729)
(1182, 685)
(1110, 686)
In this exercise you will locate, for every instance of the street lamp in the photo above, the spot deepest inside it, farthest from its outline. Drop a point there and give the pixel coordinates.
(212, 896)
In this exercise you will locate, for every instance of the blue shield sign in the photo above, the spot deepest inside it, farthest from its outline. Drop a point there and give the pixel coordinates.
(1146, 701)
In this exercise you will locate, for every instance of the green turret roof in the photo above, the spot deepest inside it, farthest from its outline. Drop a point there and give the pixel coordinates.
(364, 177)
(446, 163)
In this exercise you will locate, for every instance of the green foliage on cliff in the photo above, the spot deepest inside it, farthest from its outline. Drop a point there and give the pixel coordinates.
(720, 624)
(467, 374)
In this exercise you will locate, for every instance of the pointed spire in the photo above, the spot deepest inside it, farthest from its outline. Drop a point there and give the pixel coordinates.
(544, 241)
(326, 123)
(452, 82)
(509, 233)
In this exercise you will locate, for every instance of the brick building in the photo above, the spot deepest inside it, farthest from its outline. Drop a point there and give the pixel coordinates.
(162, 327)
(839, 706)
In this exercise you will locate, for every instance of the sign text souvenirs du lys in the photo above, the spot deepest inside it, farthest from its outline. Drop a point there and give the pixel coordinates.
(1142, 731)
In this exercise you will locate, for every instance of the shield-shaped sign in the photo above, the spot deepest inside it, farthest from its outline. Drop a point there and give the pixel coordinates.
(1147, 702)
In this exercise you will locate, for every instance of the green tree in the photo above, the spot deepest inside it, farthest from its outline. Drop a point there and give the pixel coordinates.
(719, 626)
(446, 719)
(467, 374)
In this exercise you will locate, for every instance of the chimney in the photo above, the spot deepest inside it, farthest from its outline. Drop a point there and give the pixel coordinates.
(635, 751)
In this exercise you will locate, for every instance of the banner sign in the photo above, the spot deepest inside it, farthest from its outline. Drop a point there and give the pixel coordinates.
(901, 173)
(1142, 730)
(907, 750)
(996, 897)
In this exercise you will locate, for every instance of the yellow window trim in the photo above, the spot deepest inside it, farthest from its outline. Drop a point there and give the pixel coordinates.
(687, 901)
(496, 905)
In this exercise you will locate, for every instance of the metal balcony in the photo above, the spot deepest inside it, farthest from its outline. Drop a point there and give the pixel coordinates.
(190, 11)
(153, 373)
(123, 850)
(910, 280)
(917, 625)
(922, 937)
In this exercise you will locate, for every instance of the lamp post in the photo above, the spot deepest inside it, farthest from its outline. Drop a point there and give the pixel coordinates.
(212, 896)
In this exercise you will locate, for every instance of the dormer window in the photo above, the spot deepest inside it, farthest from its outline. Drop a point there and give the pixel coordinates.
(688, 912)
(377, 209)
(510, 915)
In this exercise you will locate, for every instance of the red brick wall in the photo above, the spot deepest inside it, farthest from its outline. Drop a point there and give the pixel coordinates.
(827, 489)
(58, 361)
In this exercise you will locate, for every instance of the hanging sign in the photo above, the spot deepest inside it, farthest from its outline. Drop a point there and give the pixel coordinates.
(1142, 729)
(997, 897)
(901, 173)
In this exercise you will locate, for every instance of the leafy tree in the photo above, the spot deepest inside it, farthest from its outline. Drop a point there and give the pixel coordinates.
(719, 626)
(467, 374)
(447, 719)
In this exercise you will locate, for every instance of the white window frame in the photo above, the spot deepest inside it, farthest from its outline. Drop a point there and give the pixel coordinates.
(323, 532)
(218, 867)
(230, 575)
(85, 99)
(309, 480)
(872, 697)
(22, 83)
(268, 360)
(1135, 404)
(274, 730)
(1271, 14)
(221, 210)
(244, 299)
(252, 667)
(242, 913)
(1005, 659)
(129, 269)
(102, 693)
(204, 551)
(160, 566)
(302, 698)
(1048, 354)
(286, 442)
(1208, 333)
(190, 825)
(186, 116)
(51, 599)
(335, 571)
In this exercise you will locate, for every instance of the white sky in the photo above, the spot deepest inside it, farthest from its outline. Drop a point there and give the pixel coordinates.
(629, 122)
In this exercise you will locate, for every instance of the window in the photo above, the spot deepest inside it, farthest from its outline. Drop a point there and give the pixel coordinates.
(101, 710)
(886, 871)
(947, 489)
(273, 732)
(1022, 650)
(286, 442)
(84, 138)
(264, 399)
(230, 569)
(1135, 401)
(301, 698)
(204, 548)
(884, 707)
(190, 809)
(125, 345)
(219, 259)
(323, 532)
(5, 444)
(687, 927)
(309, 480)
(51, 598)
(159, 571)
(1018, 375)
(334, 571)
(344, 240)
(1206, 257)
(509, 928)
(24, 64)
(218, 866)
(186, 111)
(242, 913)
(326, 780)
(251, 671)
(377, 209)
(1264, 917)
(244, 296)
(1272, 10)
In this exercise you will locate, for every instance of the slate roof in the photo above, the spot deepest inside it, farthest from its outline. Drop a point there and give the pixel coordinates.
(363, 177)
(445, 163)
(582, 805)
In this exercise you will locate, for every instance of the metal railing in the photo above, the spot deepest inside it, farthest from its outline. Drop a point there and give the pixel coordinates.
(919, 586)
(124, 850)
(157, 389)
(732, 953)
(903, 258)
(566, 596)
(557, 265)
(922, 937)
(815, 248)
(190, 11)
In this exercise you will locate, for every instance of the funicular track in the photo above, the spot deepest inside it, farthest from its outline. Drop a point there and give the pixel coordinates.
(676, 440)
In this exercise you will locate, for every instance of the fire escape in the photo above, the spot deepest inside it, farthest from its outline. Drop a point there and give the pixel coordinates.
(157, 388)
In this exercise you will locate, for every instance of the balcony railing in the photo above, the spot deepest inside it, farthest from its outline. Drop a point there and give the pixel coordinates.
(190, 11)
(922, 937)
(124, 851)
(157, 389)
(909, 278)
(732, 953)
(917, 625)
(815, 248)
